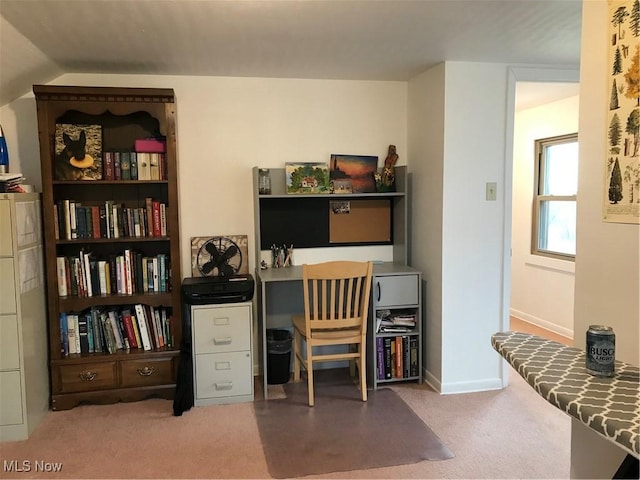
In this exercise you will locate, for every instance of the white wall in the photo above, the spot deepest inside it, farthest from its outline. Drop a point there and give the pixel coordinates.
(607, 278)
(225, 126)
(541, 287)
(473, 230)
(426, 150)
(457, 147)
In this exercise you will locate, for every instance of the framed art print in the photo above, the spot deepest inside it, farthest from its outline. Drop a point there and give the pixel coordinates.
(360, 170)
(307, 177)
(78, 152)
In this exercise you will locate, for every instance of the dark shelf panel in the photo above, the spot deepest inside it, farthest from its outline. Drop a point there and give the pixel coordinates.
(85, 183)
(80, 241)
(132, 354)
(66, 304)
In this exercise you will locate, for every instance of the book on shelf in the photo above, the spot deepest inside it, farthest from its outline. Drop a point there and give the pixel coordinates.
(163, 220)
(73, 220)
(116, 329)
(154, 166)
(108, 170)
(142, 324)
(107, 332)
(125, 166)
(83, 333)
(379, 358)
(98, 339)
(144, 166)
(117, 172)
(71, 333)
(128, 325)
(61, 264)
(399, 357)
(90, 337)
(64, 334)
(406, 356)
(133, 159)
(149, 210)
(413, 356)
(388, 357)
(136, 330)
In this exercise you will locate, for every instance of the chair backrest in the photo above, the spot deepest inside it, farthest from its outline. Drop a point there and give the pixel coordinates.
(336, 295)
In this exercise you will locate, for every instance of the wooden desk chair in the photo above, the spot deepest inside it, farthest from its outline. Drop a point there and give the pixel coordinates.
(336, 305)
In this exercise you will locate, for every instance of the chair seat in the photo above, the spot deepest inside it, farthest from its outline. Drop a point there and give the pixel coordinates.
(299, 324)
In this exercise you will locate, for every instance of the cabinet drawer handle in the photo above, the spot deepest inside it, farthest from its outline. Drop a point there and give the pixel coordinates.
(88, 376)
(224, 386)
(223, 365)
(146, 371)
(379, 290)
(222, 340)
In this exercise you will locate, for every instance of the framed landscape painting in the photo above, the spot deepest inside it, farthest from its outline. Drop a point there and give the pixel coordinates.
(307, 177)
(360, 170)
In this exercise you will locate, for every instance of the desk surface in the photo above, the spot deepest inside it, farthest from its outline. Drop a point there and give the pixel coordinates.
(289, 274)
(610, 406)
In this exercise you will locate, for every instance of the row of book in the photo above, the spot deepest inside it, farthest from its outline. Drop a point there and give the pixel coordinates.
(107, 330)
(127, 165)
(397, 357)
(131, 272)
(397, 321)
(72, 220)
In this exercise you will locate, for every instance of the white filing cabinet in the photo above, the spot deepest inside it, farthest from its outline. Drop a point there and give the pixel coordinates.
(222, 353)
(24, 377)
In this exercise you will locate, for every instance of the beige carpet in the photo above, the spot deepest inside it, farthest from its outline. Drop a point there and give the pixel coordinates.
(502, 434)
(341, 433)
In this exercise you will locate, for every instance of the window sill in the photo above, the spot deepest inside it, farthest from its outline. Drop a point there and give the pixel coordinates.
(552, 264)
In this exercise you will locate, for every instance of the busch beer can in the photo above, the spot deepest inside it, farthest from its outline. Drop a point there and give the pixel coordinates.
(601, 351)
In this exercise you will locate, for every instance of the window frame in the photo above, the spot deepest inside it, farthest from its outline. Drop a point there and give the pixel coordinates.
(538, 198)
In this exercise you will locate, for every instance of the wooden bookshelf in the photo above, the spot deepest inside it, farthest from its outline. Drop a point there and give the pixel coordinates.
(125, 115)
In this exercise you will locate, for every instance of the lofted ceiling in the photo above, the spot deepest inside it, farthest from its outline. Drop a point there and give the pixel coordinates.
(322, 39)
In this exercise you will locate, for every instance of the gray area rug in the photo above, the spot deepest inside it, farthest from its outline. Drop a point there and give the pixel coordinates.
(341, 432)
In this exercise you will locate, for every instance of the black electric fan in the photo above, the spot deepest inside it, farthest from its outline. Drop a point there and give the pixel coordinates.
(219, 257)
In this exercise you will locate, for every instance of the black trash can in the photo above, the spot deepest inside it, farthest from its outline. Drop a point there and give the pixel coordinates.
(278, 355)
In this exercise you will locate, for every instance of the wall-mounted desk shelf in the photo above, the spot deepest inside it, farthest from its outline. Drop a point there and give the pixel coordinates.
(305, 220)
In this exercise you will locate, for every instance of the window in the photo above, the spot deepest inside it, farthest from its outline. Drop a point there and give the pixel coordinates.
(554, 202)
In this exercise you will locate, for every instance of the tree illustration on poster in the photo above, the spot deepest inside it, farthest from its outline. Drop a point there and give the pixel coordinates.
(622, 181)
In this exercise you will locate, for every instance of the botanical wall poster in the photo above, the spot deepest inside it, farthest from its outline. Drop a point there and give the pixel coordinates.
(622, 179)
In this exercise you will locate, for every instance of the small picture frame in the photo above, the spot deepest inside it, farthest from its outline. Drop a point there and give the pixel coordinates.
(341, 186)
(339, 207)
(307, 177)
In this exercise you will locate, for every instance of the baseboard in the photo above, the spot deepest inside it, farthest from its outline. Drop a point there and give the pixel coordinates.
(470, 387)
(462, 387)
(430, 380)
(538, 322)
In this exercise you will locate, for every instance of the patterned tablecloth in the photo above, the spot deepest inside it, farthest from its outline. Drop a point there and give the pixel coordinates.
(610, 406)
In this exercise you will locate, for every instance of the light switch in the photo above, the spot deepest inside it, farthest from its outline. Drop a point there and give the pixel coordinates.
(492, 188)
